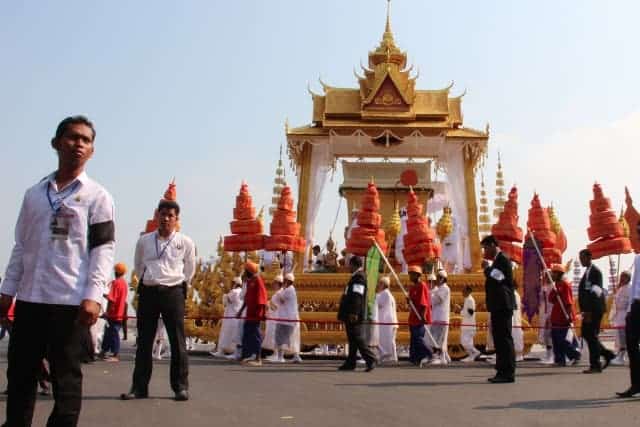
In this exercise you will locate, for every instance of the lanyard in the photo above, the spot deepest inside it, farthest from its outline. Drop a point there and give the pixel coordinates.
(161, 252)
(63, 195)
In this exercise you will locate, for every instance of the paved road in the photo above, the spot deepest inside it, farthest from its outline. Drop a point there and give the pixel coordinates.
(314, 394)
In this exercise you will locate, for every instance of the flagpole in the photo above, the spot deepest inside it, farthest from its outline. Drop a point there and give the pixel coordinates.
(404, 291)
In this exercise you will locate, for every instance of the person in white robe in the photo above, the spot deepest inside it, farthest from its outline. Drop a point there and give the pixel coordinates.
(617, 316)
(544, 321)
(287, 331)
(387, 313)
(440, 310)
(232, 302)
(272, 312)
(468, 328)
(516, 330)
(237, 356)
(160, 344)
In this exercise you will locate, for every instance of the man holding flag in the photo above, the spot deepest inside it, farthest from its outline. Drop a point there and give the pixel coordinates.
(352, 312)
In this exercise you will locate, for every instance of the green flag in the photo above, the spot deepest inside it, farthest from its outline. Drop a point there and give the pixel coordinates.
(373, 270)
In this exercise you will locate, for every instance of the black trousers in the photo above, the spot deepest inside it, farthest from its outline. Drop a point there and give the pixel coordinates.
(590, 331)
(153, 302)
(501, 323)
(355, 335)
(41, 330)
(632, 329)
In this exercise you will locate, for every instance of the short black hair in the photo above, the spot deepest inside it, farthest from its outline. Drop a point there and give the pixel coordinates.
(169, 204)
(468, 288)
(74, 120)
(489, 240)
(355, 261)
(586, 252)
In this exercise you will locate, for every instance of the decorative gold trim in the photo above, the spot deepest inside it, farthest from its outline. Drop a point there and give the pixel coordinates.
(304, 175)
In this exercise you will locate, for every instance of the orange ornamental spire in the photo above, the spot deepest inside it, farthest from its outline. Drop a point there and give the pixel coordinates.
(420, 241)
(506, 230)
(540, 224)
(369, 223)
(284, 230)
(245, 228)
(170, 195)
(605, 232)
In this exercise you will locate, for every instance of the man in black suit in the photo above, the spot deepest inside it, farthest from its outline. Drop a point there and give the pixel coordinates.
(352, 313)
(592, 306)
(500, 300)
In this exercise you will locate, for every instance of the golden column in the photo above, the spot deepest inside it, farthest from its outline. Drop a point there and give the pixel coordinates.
(304, 176)
(472, 210)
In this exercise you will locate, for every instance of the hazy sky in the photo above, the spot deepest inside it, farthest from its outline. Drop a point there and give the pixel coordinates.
(200, 90)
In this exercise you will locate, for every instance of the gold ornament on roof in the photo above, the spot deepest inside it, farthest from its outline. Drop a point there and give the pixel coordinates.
(393, 225)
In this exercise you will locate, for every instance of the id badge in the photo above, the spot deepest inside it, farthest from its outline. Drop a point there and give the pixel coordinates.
(59, 227)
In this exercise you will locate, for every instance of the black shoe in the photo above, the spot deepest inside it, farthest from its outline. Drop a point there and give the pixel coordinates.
(575, 361)
(630, 392)
(346, 368)
(592, 371)
(181, 396)
(501, 380)
(133, 394)
(370, 367)
(607, 360)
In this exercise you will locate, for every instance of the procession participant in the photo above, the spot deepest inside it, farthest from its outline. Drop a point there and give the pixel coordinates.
(544, 320)
(592, 305)
(273, 311)
(59, 267)
(165, 261)
(618, 314)
(468, 328)
(632, 328)
(560, 297)
(352, 312)
(116, 306)
(232, 301)
(440, 308)
(255, 303)
(160, 341)
(500, 301)
(516, 326)
(419, 353)
(388, 317)
(287, 333)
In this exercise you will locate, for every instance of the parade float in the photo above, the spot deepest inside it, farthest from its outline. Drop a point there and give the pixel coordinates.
(401, 150)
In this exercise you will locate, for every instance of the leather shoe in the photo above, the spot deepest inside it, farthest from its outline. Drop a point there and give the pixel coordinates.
(592, 371)
(607, 360)
(630, 392)
(501, 380)
(346, 368)
(370, 367)
(133, 394)
(181, 396)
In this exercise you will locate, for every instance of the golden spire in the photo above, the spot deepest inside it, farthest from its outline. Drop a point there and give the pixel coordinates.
(484, 221)
(500, 191)
(278, 184)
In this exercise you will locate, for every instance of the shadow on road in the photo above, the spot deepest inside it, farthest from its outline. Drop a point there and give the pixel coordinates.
(560, 404)
(410, 384)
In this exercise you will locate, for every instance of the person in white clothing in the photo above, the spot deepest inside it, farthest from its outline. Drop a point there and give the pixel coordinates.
(440, 308)
(227, 338)
(468, 328)
(273, 312)
(544, 321)
(618, 314)
(287, 332)
(160, 341)
(516, 329)
(386, 304)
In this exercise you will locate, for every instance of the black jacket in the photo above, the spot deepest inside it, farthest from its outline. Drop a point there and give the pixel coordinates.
(354, 298)
(499, 293)
(588, 300)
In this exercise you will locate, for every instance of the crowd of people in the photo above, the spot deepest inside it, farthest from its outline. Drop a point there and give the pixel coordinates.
(63, 257)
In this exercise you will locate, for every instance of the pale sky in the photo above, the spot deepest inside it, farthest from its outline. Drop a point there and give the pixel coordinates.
(200, 90)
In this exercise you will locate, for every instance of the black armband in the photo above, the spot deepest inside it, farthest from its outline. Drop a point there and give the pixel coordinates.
(101, 233)
(470, 311)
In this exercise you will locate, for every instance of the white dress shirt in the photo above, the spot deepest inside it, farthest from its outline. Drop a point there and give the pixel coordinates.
(469, 319)
(165, 262)
(440, 303)
(62, 270)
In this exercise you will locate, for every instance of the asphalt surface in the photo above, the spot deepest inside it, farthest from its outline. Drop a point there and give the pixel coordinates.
(315, 394)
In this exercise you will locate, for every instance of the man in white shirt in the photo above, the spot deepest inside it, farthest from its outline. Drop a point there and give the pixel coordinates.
(388, 318)
(440, 308)
(287, 334)
(618, 314)
(165, 262)
(59, 268)
(468, 328)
